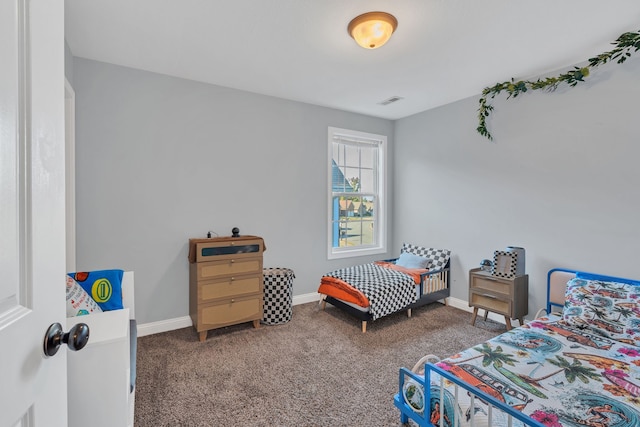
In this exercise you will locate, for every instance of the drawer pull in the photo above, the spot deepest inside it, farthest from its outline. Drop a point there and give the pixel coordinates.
(232, 279)
(232, 261)
(488, 296)
(232, 300)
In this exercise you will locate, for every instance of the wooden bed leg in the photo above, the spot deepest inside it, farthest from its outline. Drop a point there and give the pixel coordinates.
(323, 304)
(202, 336)
(508, 322)
(475, 314)
(256, 324)
(408, 312)
(446, 302)
(364, 326)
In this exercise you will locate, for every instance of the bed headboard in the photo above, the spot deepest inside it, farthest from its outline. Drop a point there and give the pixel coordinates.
(556, 286)
(557, 279)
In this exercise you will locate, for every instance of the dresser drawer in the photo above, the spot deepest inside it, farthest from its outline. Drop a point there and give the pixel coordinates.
(225, 249)
(229, 312)
(231, 266)
(490, 284)
(490, 302)
(229, 287)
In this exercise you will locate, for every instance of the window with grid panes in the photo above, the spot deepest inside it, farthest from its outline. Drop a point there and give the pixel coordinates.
(357, 209)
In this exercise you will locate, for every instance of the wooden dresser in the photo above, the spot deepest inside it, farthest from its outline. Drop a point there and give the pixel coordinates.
(225, 282)
(509, 297)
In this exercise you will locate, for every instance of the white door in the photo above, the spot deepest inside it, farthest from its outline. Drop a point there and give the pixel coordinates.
(70, 173)
(33, 390)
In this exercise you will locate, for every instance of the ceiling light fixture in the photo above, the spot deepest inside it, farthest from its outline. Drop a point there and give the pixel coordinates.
(372, 29)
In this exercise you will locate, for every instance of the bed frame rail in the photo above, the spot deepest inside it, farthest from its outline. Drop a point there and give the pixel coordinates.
(432, 282)
(440, 380)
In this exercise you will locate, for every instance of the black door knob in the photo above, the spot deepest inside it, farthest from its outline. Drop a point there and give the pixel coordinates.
(75, 339)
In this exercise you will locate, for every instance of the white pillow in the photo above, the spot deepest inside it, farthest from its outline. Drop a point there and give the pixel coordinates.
(79, 302)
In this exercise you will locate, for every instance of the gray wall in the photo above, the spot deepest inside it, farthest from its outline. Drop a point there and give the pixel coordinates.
(561, 180)
(161, 159)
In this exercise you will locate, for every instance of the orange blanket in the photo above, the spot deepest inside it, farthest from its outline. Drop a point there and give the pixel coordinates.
(413, 272)
(340, 289)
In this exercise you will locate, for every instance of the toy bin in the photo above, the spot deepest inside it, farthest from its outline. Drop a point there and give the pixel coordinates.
(278, 295)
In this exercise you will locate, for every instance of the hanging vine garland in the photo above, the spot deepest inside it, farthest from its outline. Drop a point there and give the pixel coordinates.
(625, 44)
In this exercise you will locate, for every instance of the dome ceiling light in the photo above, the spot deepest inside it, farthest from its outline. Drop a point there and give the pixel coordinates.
(372, 29)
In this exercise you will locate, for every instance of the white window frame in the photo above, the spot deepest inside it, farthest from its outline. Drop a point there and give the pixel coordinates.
(380, 245)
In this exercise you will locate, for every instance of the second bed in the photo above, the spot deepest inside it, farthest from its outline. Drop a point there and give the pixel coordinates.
(370, 291)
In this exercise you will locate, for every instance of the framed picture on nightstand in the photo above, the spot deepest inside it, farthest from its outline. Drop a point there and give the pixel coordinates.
(504, 264)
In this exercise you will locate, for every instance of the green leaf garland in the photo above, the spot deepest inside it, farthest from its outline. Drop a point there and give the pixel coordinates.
(625, 44)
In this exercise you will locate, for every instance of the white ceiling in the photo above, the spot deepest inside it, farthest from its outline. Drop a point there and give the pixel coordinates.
(442, 51)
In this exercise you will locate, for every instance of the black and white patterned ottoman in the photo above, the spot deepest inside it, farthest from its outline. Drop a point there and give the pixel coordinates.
(278, 295)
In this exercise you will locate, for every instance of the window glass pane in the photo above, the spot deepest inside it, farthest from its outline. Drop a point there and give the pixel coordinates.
(336, 211)
(367, 232)
(336, 224)
(357, 206)
(368, 207)
(368, 157)
(352, 176)
(368, 183)
(338, 180)
(356, 232)
(352, 156)
(337, 155)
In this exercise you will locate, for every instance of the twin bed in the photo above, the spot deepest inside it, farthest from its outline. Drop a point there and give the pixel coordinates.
(577, 366)
(370, 291)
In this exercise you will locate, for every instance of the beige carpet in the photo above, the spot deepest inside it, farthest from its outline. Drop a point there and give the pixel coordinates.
(319, 369)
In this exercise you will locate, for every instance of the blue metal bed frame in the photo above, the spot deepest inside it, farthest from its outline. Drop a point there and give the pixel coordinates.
(422, 419)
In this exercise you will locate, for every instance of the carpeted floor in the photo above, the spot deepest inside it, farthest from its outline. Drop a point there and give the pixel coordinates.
(319, 369)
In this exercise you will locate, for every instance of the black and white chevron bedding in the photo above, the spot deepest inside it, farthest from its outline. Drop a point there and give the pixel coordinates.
(387, 290)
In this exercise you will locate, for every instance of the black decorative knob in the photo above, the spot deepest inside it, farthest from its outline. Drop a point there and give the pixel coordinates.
(75, 339)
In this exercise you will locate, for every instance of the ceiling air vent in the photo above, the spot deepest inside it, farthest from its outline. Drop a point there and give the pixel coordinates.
(390, 100)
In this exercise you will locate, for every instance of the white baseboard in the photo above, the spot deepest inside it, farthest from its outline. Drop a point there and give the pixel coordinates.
(184, 322)
(305, 298)
(164, 326)
(459, 304)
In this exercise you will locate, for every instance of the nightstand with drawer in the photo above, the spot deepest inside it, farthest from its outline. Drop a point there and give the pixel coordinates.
(225, 282)
(506, 296)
